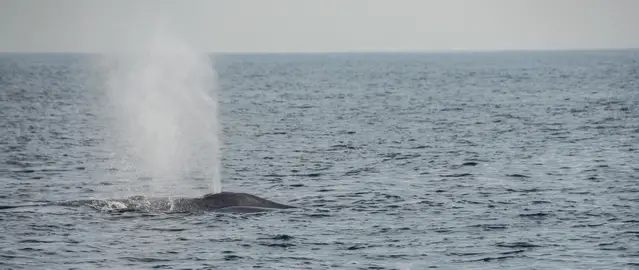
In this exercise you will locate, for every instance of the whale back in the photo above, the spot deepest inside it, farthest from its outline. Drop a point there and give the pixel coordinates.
(232, 199)
(218, 202)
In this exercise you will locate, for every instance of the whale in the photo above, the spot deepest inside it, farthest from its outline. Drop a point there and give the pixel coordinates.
(224, 202)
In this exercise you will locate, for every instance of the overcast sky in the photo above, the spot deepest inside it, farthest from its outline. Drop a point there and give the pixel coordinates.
(324, 25)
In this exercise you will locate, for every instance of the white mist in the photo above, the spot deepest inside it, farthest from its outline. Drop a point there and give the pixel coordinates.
(162, 93)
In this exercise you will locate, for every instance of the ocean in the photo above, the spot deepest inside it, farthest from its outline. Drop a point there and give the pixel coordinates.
(494, 160)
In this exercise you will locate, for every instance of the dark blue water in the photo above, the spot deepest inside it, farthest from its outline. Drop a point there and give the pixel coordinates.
(398, 161)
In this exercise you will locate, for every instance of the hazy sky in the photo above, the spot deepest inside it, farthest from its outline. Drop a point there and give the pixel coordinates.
(324, 25)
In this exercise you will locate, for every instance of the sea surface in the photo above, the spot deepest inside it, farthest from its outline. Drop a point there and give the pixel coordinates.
(506, 160)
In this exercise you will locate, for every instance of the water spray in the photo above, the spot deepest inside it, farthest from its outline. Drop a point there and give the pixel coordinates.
(162, 91)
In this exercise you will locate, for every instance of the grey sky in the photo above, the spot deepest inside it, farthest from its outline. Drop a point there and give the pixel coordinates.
(324, 25)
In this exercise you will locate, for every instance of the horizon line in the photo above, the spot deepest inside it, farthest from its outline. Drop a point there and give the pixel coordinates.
(360, 51)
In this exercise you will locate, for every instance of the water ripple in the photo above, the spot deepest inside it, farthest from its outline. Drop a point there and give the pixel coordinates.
(398, 161)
